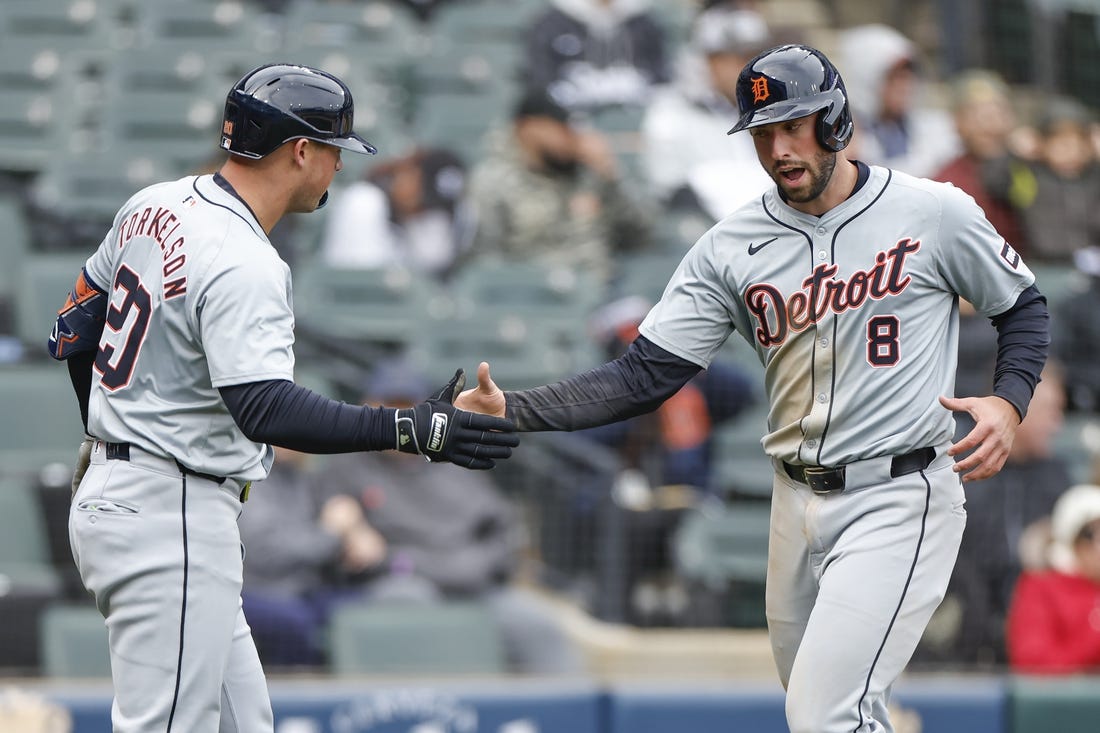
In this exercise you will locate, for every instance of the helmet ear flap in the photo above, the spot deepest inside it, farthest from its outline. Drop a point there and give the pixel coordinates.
(834, 124)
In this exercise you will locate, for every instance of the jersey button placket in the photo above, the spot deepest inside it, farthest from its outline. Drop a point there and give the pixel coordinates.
(817, 420)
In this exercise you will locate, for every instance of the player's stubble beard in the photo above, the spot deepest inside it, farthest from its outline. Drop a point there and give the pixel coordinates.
(819, 173)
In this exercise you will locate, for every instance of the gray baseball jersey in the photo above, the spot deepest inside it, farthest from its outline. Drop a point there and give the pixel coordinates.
(853, 314)
(190, 272)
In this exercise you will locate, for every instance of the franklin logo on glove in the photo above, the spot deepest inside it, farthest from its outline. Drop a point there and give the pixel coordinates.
(439, 431)
(442, 432)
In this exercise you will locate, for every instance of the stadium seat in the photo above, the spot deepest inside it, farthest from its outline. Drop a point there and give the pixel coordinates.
(45, 281)
(386, 306)
(1057, 281)
(181, 71)
(74, 642)
(176, 130)
(22, 531)
(479, 21)
(522, 353)
(1059, 703)
(14, 244)
(95, 185)
(741, 468)
(41, 422)
(724, 549)
(460, 118)
(31, 129)
(203, 26)
(531, 306)
(645, 273)
(525, 287)
(384, 34)
(69, 24)
(399, 639)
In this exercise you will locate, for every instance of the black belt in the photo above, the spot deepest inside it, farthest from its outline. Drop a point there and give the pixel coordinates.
(824, 480)
(121, 452)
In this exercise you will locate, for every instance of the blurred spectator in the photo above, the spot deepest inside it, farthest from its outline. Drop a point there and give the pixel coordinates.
(690, 160)
(408, 211)
(985, 169)
(549, 192)
(1052, 625)
(1001, 512)
(449, 534)
(1059, 206)
(673, 444)
(26, 712)
(1075, 334)
(592, 53)
(298, 553)
(895, 126)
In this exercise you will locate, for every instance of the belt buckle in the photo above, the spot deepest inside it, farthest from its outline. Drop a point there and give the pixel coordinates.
(823, 480)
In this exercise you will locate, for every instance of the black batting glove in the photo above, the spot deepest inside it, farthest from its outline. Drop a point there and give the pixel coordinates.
(442, 432)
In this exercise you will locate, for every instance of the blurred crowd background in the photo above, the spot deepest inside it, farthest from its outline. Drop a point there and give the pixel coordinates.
(543, 166)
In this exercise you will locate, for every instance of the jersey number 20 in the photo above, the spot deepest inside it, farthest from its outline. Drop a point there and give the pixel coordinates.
(117, 365)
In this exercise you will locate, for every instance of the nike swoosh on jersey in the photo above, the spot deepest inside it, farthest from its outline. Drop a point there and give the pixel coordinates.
(753, 249)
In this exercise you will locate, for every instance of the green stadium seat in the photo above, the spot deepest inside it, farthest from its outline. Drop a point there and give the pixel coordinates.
(384, 35)
(723, 548)
(526, 288)
(71, 25)
(14, 245)
(718, 543)
(45, 281)
(1063, 704)
(485, 21)
(521, 353)
(203, 25)
(74, 642)
(23, 543)
(385, 306)
(1057, 281)
(645, 273)
(176, 130)
(31, 129)
(452, 638)
(41, 422)
(96, 185)
(530, 305)
(26, 589)
(740, 465)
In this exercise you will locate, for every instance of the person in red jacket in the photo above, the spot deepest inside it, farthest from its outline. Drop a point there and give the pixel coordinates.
(1054, 619)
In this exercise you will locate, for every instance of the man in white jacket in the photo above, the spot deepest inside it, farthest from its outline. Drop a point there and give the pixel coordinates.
(689, 159)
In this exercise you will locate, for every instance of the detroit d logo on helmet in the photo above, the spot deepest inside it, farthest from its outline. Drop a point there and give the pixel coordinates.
(760, 89)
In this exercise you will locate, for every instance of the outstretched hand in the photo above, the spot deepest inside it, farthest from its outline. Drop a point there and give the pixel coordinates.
(486, 398)
(989, 442)
(443, 432)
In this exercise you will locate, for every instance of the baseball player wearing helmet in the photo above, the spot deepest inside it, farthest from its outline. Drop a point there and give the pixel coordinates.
(178, 336)
(845, 279)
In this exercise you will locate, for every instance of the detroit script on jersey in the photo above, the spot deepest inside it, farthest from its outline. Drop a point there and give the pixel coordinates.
(822, 292)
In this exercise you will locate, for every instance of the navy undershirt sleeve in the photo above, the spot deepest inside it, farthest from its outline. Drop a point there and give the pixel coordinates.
(283, 413)
(635, 383)
(1023, 340)
(80, 374)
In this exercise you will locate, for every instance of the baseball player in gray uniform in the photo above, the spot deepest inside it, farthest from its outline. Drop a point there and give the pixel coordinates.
(178, 336)
(845, 279)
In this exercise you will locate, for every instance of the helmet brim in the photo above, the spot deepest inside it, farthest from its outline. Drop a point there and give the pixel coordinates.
(352, 143)
(780, 112)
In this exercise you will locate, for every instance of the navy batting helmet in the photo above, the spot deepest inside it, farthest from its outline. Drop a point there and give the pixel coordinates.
(794, 81)
(276, 103)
